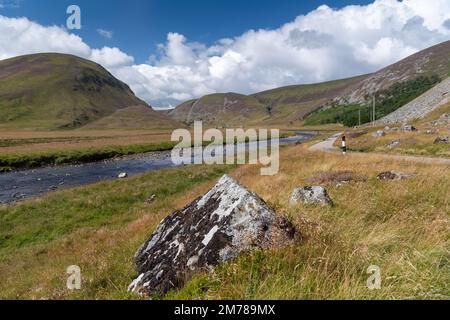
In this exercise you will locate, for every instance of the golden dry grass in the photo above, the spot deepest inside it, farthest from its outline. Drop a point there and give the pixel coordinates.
(42, 141)
(401, 226)
(420, 142)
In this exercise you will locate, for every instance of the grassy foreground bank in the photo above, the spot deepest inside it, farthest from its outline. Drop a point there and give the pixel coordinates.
(401, 226)
(98, 227)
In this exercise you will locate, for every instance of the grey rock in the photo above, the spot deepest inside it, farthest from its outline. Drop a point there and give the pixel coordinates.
(443, 120)
(393, 144)
(408, 128)
(441, 140)
(378, 134)
(394, 175)
(123, 175)
(19, 195)
(311, 195)
(151, 198)
(215, 228)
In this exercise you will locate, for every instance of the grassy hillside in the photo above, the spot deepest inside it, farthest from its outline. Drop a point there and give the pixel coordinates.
(293, 103)
(282, 106)
(387, 101)
(288, 106)
(400, 226)
(57, 91)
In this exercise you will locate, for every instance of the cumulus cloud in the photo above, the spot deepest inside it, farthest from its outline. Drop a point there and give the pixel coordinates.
(111, 57)
(322, 45)
(20, 36)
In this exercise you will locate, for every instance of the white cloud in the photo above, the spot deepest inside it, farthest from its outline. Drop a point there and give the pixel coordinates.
(9, 4)
(105, 33)
(19, 36)
(322, 45)
(111, 57)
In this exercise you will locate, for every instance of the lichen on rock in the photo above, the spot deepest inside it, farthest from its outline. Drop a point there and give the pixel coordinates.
(215, 228)
(311, 195)
(394, 175)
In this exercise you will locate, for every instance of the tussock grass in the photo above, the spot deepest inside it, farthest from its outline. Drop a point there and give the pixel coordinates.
(403, 227)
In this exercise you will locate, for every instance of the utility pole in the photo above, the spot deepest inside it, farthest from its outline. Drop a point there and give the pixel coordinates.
(359, 116)
(373, 112)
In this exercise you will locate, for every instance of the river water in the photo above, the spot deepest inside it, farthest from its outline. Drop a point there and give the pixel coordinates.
(19, 185)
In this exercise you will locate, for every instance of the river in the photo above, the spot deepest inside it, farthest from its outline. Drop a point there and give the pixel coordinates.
(19, 185)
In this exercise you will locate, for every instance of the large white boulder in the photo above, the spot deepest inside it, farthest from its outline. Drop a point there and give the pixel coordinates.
(215, 228)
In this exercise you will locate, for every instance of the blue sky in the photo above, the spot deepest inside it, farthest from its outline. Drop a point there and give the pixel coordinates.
(170, 51)
(138, 26)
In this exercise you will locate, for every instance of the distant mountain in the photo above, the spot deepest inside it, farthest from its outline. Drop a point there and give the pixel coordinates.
(222, 109)
(290, 105)
(278, 106)
(59, 91)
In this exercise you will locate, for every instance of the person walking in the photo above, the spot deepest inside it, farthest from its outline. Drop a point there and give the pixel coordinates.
(344, 145)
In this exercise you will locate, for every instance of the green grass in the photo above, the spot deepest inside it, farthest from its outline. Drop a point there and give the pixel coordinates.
(33, 160)
(21, 142)
(39, 239)
(51, 91)
(337, 114)
(102, 204)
